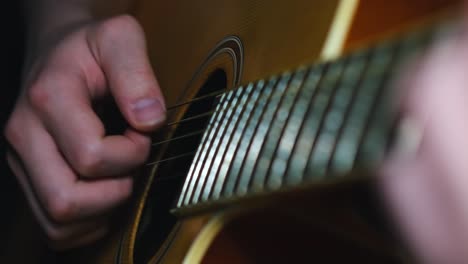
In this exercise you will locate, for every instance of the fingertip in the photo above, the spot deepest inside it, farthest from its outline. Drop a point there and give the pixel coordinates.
(147, 114)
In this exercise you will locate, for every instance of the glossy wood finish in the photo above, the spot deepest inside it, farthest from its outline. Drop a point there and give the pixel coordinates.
(277, 35)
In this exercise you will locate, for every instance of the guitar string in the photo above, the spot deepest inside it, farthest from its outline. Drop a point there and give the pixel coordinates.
(184, 155)
(202, 97)
(192, 118)
(172, 158)
(196, 99)
(192, 134)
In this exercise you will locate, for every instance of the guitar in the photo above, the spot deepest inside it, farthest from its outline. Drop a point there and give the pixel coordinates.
(262, 161)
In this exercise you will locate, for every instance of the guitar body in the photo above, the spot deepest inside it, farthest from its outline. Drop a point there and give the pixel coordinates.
(198, 48)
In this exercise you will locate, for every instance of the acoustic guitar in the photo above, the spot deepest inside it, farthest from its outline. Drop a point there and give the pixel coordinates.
(278, 113)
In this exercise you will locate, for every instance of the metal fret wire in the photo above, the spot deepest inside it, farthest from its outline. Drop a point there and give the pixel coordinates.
(213, 142)
(320, 153)
(232, 126)
(310, 91)
(212, 150)
(332, 87)
(194, 173)
(349, 88)
(291, 129)
(356, 143)
(289, 99)
(188, 180)
(386, 62)
(228, 154)
(240, 151)
(212, 169)
(240, 104)
(295, 163)
(313, 119)
(347, 147)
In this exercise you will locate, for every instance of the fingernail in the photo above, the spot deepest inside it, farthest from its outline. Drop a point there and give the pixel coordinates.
(148, 111)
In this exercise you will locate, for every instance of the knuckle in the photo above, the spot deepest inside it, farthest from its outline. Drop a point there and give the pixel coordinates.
(61, 207)
(119, 27)
(126, 20)
(11, 130)
(38, 96)
(88, 159)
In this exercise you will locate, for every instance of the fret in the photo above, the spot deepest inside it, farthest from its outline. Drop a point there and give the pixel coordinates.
(321, 122)
(241, 150)
(288, 144)
(289, 99)
(205, 163)
(233, 126)
(320, 155)
(282, 120)
(258, 107)
(223, 168)
(346, 149)
(250, 107)
(244, 94)
(200, 159)
(213, 148)
(253, 122)
(190, 181)
(312, 122)
(375, 139)
(358, 161)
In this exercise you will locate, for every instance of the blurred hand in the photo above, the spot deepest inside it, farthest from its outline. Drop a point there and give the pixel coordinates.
(427, 187)
(72, 173)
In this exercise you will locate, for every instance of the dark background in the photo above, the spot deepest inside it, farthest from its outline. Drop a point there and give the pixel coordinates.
(11, 49)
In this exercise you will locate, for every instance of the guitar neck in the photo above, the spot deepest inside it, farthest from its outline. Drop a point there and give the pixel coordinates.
(314, 125)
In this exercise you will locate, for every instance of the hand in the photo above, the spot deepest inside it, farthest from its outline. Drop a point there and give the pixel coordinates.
(427, 187)
(72, 173)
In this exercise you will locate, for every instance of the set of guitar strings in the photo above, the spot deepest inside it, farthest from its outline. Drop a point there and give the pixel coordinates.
(413, 42)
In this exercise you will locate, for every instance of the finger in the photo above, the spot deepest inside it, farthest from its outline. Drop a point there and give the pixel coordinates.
(422, 209)
(56, 233)
(62, 195)
(428, 192)
(426, 80)
(79, 133)
(121, 51)
(436, 99)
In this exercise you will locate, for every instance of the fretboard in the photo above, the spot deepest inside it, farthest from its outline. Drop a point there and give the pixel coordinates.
(309, 126)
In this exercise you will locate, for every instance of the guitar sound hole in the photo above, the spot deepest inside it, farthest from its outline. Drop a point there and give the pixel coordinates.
(156, 221)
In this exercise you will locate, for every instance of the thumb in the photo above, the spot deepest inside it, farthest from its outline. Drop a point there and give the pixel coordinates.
(121, 51)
